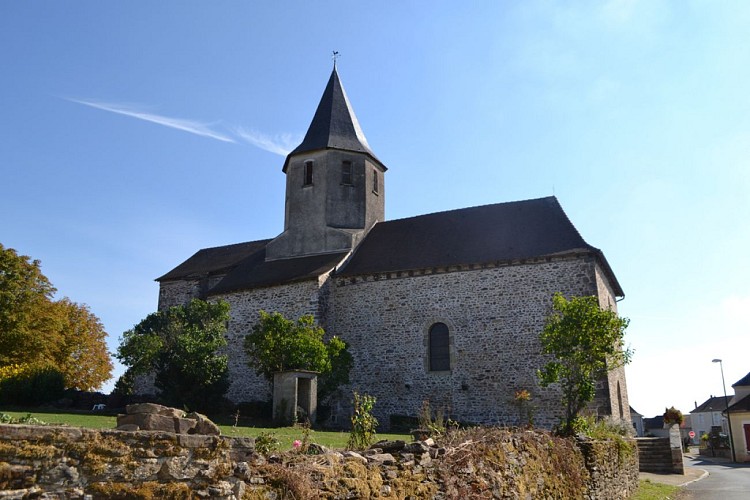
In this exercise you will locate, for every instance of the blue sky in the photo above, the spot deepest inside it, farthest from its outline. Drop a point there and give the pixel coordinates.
(135, 133)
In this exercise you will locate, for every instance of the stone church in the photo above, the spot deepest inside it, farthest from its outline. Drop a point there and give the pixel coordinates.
(445, 307)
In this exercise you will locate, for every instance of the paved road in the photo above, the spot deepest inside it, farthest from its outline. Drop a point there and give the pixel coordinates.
(725, 481)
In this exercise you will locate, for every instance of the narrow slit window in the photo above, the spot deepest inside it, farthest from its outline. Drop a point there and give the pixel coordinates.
(439, 347)
(346, 173)
(374, 181)
(308, 174)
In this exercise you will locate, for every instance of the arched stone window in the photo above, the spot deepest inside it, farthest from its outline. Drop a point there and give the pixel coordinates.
(439, 348)
(619, 401)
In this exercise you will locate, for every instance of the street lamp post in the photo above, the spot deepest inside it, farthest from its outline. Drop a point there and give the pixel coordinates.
(726, 402)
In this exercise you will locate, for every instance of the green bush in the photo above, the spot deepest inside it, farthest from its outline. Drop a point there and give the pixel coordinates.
(125, 385)
(607, 429)
(33, 386)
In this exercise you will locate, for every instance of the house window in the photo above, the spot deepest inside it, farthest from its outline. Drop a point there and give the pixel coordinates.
(308, 173)
(375, 181)
(346, 173)
(439, 348)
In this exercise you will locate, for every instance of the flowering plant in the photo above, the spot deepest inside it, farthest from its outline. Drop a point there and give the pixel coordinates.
(522, 395)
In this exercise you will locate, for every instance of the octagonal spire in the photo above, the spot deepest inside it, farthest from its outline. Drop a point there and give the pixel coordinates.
(334, 126)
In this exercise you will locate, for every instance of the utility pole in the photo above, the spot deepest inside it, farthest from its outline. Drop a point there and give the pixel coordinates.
(726, 402)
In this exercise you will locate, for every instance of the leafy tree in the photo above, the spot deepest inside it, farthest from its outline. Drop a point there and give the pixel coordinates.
(278, 344)
(341, 364)
(25, 298)
(38, 331)
(81, 354)
(586, 342)
(181, 346)
(125, 385)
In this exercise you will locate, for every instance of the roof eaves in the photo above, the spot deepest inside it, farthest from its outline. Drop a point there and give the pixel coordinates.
(495, 263)
(256, 286)
(743, 381)
(369, 154)
(741, 405)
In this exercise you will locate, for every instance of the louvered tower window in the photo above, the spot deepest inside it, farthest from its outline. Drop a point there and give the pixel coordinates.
(308, 173)
(346, 173)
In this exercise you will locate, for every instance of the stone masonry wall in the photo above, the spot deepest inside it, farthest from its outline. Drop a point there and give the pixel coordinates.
(175, 293)
(618, 404)
(292, 300)
(494, 316)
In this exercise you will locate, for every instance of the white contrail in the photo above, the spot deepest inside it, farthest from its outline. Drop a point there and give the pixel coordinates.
(280, 145)
(191, 126)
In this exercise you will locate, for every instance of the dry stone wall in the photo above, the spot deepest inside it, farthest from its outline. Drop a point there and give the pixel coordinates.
(65, 462)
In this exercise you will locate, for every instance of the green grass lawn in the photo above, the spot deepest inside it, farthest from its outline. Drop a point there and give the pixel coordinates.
(648, 490)
(90, 420)
(285, 435)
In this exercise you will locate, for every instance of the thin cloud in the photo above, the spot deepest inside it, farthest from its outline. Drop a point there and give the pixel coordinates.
(191, 126)
(280, 144)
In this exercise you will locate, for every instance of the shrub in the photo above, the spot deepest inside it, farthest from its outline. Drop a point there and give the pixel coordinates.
(435, 424)
(31, 385)
(403, 423)
(607, 429)
(673, 416)
(29, 419)
(125, 385)
(255, 411)
(363, 422)
(266, 442)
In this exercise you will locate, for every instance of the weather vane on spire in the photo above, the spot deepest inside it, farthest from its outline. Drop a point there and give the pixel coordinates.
(335, 57)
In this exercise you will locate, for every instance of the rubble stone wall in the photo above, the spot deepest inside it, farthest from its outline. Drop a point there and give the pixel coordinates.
(494, 316)
(292, 300)
(65, 462)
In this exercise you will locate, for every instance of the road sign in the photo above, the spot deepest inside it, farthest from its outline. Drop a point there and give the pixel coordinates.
(691, 434)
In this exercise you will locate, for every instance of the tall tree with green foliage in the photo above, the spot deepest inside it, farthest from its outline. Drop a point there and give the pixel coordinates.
(81, 353)
(586, 342)
(279, 344)
(181, 346)
(37, 331)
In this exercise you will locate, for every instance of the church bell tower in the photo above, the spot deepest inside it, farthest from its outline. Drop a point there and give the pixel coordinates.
(335, 185)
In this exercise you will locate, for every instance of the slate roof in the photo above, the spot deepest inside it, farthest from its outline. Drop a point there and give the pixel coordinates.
(654, 422)
(334, 126)
(256, 272)
(743, 381)
(714, 403)
(214, 260)
(245, 267)
(478, 235)
(741, 405)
